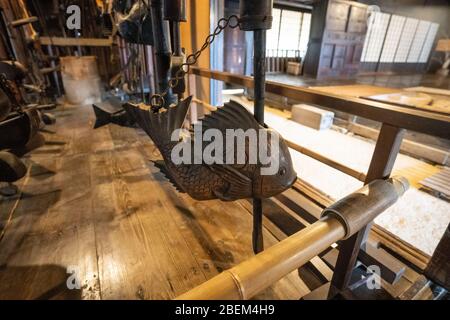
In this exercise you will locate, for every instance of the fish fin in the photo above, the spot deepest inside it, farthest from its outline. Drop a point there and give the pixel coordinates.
(231, 116)
(230, 174)
(138, 113)
(160, 125)
(222, 195)
(163, 169)
(239, 184)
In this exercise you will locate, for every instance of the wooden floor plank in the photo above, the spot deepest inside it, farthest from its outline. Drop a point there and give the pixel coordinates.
(50, 233)
(141, 236)
(94, 203)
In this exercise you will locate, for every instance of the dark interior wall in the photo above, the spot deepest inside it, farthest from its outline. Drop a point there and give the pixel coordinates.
(431, 10)
(338, 31)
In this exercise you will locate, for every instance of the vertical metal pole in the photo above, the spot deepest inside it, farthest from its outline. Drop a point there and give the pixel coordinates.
(162, 51)
(177, 51)
(174, 13)
(176, 38)
(259, 73)
(77, 35)
(256, 16)
(141, 50)
(54, 73)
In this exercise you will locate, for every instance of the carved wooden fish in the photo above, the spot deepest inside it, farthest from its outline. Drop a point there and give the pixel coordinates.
(211, 181)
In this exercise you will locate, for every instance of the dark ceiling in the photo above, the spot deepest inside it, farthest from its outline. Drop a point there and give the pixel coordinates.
(294, 3)
(307, 2)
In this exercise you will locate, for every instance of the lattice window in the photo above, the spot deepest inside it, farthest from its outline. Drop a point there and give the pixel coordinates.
(289, 35)
(392, 38)
(409, 30)
(273, 34)
(426, 50)
(418, 42)
(290, 30)
(398, 39)
(304, 35)
(379, 27)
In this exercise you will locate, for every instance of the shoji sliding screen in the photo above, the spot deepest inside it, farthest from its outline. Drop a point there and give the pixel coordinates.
(396, 41)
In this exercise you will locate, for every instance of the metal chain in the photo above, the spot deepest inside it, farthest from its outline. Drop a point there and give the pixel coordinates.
(157, 101)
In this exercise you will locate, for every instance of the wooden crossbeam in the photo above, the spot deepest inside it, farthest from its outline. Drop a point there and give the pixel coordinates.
(84, 42)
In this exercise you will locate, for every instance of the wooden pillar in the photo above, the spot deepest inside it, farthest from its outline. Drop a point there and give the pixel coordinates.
(438, 268)
(193, 35)
(3, 51)
(381, 165)
(17, 45)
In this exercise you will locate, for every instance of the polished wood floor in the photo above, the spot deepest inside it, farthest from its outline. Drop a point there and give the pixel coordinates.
(94, 204)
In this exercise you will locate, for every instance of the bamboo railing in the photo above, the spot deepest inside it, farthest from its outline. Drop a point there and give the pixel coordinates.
(259, 272)
(340, 221)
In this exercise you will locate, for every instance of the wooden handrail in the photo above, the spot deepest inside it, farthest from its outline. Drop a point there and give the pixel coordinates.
(402, 117)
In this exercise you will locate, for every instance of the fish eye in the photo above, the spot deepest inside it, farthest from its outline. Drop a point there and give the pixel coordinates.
(282, 171)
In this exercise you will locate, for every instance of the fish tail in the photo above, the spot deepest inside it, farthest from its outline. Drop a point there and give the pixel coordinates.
(160, 126)
(102, 117)
(109, 111)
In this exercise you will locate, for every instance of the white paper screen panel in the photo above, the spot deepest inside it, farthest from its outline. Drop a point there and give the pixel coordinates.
(272, 34)
(431, 35)
(418, 42)
(378, 27)
(304, 36)
(290, 30)
(367, 39)
(406, 40)
(392, 38)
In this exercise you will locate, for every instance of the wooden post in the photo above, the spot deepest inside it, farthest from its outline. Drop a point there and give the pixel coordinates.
(199, 20)
(438, 268)
(381, 165)
(385, 153)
